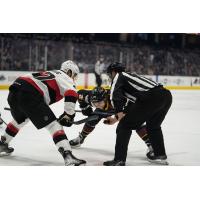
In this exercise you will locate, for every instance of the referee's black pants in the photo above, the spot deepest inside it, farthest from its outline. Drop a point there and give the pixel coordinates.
(151, 108)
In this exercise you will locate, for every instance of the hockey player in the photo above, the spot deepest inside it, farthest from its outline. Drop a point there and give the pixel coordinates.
(29, 99)
(99, 98)
(136, 100)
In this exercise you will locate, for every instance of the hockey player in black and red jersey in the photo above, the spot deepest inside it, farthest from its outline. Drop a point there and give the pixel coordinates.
(29, 99)
(99, 98)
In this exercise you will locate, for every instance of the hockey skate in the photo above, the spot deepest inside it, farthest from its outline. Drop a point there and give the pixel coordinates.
(76, 142)
(150, 150)
(160, 160)
(114, 163)
(70, 159)
(4, 148)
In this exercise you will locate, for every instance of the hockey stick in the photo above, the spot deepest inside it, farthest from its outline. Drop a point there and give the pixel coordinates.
(87, 119)
(95, 116)
(101, 113)
(78, 111)
(3, 120)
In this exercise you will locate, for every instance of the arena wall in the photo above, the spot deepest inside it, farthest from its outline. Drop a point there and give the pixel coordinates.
(88, 80)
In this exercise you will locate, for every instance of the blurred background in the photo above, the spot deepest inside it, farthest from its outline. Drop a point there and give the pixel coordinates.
(145, 53)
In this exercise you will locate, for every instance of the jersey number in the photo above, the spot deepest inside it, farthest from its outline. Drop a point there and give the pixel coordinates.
(43, 76)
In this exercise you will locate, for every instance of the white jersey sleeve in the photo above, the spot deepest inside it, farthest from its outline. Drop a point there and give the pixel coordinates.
(67, 90)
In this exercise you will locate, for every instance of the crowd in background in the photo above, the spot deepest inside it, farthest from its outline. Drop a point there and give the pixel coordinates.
(150, 60)
(26, 54)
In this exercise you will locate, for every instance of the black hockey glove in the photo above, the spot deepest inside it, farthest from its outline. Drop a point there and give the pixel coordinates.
(87, 111)
(66, 119)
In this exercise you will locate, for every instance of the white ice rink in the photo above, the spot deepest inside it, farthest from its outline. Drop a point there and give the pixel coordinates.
(181, 130)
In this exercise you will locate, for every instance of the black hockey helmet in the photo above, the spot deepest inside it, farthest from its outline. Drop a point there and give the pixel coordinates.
(98, 94)
(115, 66)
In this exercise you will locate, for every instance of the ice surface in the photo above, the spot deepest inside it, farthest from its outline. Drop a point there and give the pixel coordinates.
(181, 130)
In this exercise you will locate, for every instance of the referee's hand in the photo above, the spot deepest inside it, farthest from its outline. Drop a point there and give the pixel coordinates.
(110, 120)
(120, 115)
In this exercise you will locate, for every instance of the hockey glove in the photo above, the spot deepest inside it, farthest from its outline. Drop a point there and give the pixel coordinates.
(66, 119)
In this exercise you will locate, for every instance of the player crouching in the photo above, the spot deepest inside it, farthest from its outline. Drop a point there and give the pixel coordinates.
(29, 99)
(99, 98)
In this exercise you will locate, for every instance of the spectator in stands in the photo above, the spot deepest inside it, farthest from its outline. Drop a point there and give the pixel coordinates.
(98, 70)
(20, 53)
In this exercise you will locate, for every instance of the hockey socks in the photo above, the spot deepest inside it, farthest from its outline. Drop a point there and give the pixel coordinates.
(58, 135)
(87, 129)
(142, 132)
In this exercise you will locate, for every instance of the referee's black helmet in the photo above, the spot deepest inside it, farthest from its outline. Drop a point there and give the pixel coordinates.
(116, 66)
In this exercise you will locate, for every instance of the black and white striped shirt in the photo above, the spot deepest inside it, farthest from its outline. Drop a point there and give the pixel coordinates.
(127, 87)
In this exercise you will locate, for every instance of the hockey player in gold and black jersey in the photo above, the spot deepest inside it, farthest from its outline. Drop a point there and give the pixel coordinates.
(99, 98)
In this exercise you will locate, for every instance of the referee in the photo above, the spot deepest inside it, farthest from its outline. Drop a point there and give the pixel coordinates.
(137, 100)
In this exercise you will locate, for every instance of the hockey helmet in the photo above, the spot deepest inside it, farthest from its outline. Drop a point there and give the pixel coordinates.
(115, 66)
(70, 65)
(98, 94)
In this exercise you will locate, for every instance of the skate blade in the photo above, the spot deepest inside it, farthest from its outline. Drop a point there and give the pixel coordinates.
(159, 162)
(72, 165)
(84, 164)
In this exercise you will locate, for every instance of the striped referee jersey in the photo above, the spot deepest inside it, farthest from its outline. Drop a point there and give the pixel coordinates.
(126, 87)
